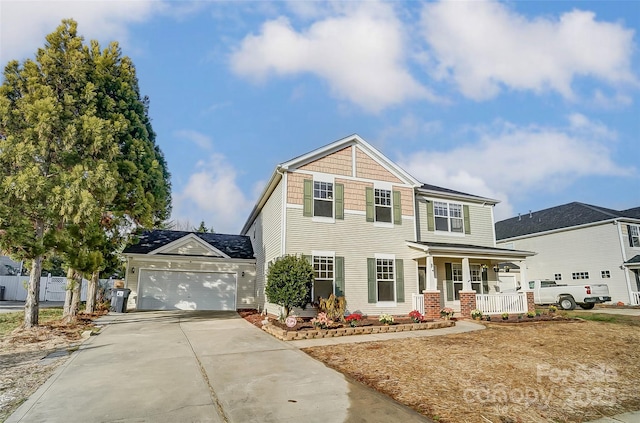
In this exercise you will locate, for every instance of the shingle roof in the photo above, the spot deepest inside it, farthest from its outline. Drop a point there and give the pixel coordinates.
(235, 246)
(564, 216)
(633, 260)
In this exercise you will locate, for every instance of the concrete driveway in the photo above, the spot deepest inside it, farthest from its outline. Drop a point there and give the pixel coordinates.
(199, 367)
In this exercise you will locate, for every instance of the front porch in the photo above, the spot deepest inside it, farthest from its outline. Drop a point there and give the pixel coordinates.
(466, 277)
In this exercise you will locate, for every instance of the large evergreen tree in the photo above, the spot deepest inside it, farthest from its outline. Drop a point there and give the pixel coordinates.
(56, 153)
(77, 155)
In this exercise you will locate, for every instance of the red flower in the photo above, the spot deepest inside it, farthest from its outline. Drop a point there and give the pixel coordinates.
(353, 316)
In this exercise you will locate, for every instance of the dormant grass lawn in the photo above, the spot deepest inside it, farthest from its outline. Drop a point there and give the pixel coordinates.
(10, 321)
(530, 372)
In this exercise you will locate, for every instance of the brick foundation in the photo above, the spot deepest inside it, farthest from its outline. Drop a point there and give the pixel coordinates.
(467, 303)
(531, 305)
(431, 304)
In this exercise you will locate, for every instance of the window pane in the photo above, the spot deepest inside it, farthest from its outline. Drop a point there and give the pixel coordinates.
(385, 291)
(442, 224)
(383, 214)
(455, 210)
(322, 288)
(382, 197)
(456, 225)
(440, 209)
(323, 208)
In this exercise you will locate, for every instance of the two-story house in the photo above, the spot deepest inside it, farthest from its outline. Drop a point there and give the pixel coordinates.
(375, 234)
(579, 243)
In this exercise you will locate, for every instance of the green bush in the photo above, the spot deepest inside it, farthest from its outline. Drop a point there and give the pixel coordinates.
(289, 282)
(334, 307)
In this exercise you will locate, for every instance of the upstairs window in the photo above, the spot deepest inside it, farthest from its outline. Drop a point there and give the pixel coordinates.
(558, 276)
(580, 275)
(448, 217)
(634, 236)
(606, 274)
(382, 198)
(322, 199)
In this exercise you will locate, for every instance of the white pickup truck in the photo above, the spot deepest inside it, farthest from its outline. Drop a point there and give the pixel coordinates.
(567, 296)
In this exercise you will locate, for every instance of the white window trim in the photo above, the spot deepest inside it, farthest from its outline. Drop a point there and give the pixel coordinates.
(392, 257)
(321, 177)
(448, 232)
(387, 186)
(638, 231)
(321, 253)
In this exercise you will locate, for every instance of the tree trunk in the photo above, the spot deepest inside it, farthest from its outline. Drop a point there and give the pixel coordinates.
(75, 299)
(92, 290)
(32, 305)
(68, 294)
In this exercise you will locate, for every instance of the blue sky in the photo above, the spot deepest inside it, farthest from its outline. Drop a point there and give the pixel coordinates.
(532, 103)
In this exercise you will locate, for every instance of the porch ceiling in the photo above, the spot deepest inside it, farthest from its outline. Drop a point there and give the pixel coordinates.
(442, 249)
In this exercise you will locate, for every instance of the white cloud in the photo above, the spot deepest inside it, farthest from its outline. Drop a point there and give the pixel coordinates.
(24, 24)
(485, 46)
(505, 160)
(411, 126)
(359, 52)
(199, 139)
(212, 194)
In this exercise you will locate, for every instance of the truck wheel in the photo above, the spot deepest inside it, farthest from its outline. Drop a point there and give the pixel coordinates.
(587, 306)
(567, 303)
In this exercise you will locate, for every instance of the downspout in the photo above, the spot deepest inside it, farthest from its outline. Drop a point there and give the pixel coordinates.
(624, 259)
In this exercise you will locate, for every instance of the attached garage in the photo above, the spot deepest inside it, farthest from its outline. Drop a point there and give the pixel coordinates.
(167, 290)
(173, 270)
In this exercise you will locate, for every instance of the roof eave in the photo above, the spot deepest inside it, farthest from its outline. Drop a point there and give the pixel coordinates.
(497, 252)
(472, 198)
(266, 193)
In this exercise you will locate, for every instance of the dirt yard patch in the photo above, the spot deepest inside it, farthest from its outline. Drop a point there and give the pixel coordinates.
(545, 372)
(29, 357)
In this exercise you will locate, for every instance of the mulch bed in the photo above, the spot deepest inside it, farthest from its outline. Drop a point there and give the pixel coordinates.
(514, 319)
(304, 323)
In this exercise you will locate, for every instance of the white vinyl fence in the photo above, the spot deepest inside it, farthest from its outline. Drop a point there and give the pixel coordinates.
(52, 288)
(501, 303)
(418, 302)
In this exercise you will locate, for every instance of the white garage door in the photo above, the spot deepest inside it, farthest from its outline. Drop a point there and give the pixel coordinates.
(171, 290)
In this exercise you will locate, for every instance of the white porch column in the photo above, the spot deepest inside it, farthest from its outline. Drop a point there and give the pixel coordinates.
(524, 282)
(431, 284)
(466, 275)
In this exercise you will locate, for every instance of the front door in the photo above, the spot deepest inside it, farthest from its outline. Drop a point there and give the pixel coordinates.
(453, 285)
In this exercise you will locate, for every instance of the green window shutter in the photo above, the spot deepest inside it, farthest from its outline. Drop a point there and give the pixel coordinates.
(449, 280)
(397, 208)
(369, 199)
(399, 280)
(467, 221)
(339, 276)
(339, 201)
(371, 273)
(431, 222)
(307, 204)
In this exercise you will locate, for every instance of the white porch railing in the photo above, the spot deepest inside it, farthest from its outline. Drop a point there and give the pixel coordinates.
(635, 298)
(501, 303)
(418, 302)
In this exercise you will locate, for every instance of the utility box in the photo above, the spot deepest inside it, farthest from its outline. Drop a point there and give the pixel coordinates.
(119, 298)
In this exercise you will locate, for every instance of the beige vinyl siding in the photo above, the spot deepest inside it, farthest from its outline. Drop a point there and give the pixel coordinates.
(267, 244)
(246, 285)
(192, 248)
(481, 225)
(355, 239)
(591, 249)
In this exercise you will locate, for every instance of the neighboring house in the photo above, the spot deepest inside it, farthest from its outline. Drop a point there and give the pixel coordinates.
(375, 234)
(9, 267)
(579, 243)
(190, 271)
